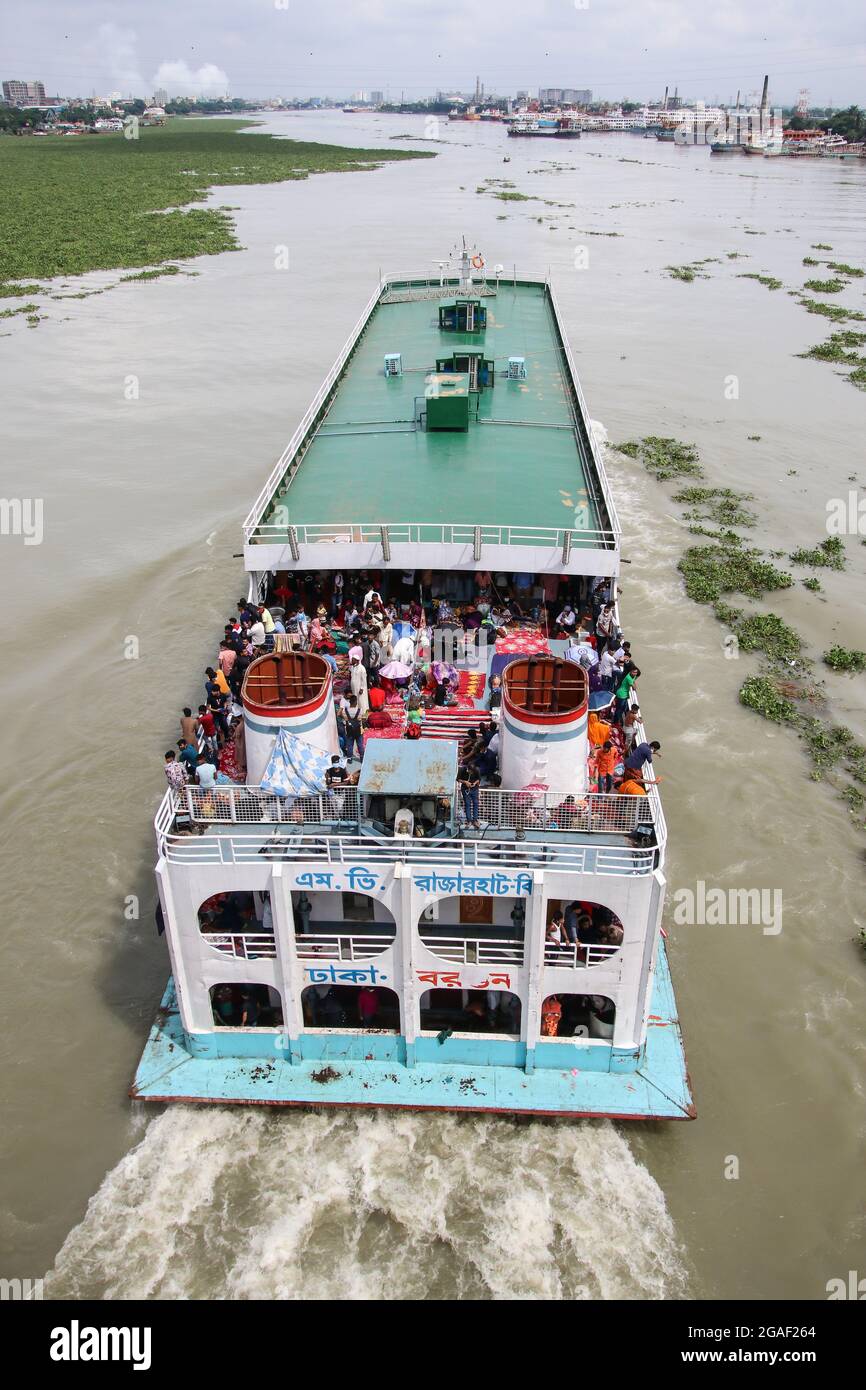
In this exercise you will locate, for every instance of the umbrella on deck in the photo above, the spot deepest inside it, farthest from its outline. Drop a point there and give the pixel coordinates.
(395, 671)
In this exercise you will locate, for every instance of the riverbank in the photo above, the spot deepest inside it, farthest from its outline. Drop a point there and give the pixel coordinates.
(107, 203)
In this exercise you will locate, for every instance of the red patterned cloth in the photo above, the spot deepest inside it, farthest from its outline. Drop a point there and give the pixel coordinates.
(522, 643)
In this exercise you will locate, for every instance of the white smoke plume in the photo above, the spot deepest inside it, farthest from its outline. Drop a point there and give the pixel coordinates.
(180, 80)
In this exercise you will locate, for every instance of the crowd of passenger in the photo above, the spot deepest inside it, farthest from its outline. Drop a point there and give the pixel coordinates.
(379, 634)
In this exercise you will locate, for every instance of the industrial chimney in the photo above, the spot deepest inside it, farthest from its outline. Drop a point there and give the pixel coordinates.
(543, 735)
(291, 691)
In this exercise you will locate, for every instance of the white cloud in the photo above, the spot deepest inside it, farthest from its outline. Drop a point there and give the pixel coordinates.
(116, 50)
(180, 80)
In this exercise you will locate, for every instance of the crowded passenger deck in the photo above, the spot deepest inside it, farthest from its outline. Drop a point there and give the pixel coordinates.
(415, 666)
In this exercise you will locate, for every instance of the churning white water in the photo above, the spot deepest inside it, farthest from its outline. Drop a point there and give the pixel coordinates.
(245, 1204)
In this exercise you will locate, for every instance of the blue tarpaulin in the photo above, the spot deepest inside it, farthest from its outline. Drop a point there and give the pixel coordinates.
(296, 768)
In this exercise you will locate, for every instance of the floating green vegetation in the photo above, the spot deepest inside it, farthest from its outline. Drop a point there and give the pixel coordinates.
(105, 202)
(769, 280)
(22, 309)
(751, 232)
(839, 347)
(821, 246)
(830, 311)
(713, 570)
(762, 694)
(810, 260)
(842, 269)
(664, 458)
(510, 196)
(767, 633)
(845, 659)
(153, 274)
(719, 504)
(686, 272)
(858, 378)
(825, 286)
(813, 585)
(828, 554)
(8, 291)
(755, 438)
(739, 255)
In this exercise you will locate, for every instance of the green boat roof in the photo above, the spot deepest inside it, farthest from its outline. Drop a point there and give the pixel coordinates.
(520, 463)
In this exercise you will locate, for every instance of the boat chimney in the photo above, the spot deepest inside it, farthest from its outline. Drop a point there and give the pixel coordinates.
(544, 725)
(291, 691)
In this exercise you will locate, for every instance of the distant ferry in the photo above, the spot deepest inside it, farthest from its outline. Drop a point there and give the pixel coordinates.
(392, 937)
(559, 127)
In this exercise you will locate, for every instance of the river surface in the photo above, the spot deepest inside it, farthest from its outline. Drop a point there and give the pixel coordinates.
(143, 500)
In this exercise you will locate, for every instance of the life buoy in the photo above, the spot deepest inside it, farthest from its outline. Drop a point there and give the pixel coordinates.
(478, 262)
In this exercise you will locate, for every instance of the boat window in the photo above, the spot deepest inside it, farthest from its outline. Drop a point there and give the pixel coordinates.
(470, 1011)
(246, 1006)
(366, 1007)
(358, 907)
(577, 1016)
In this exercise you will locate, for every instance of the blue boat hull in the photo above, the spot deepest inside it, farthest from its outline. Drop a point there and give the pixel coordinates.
(570, 1078)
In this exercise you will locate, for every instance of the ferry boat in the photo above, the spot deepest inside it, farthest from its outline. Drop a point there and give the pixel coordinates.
(557, 126)
(395, 938)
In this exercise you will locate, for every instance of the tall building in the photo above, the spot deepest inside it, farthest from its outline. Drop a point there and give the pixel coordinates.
(576, 96)
(24, 93)
(160, 97)
(377, 97)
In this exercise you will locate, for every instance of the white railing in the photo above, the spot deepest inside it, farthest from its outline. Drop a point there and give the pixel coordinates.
(435, 533)
(595, 813)
(475, 950)
(574, 956)
(266, 845)
(313, 946)
(242, 945)
(242, 805)
(575, 381)
(281, 466)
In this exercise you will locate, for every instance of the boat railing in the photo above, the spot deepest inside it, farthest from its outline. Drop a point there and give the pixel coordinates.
(462, 950)
(594, 813)
(283, 844)
(593, 443)
(281, 467)
(341, 946)
(575, 956)
(229, 805)
(242, 945)
(435, 533)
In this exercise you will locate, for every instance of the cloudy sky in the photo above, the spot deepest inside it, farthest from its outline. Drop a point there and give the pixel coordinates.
(257, 48)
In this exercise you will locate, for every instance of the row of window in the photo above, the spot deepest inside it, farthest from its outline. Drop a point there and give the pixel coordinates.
(368, 1007)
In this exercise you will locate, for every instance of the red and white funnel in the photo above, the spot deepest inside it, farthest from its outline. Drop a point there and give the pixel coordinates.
(291, 691)
(543, 737)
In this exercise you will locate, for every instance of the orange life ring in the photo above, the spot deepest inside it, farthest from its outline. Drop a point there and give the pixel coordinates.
(478, 262)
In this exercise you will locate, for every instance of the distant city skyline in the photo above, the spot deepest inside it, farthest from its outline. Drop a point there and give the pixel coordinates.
(269, 48)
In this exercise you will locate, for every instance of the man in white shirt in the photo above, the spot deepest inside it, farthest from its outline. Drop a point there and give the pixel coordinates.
(257, 633)
(370, 595)
(404, 650)
(358, 683)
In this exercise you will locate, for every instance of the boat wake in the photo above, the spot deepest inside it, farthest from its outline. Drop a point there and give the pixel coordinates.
(291, 1205)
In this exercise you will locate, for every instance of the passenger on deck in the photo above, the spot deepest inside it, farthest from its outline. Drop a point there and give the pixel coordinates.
(175, 774)
(623, 690)
(629, 727)
(188, 755)
(350, 727)
(597, 731)
(469, 782)
(567, 620)
(494, 694)
(358, 683)
(641, 756)
(368, 1005)
(606, 760)
(205, 773)
(188, 727)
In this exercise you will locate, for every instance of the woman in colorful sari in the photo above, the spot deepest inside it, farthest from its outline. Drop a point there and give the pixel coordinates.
(320, 637)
